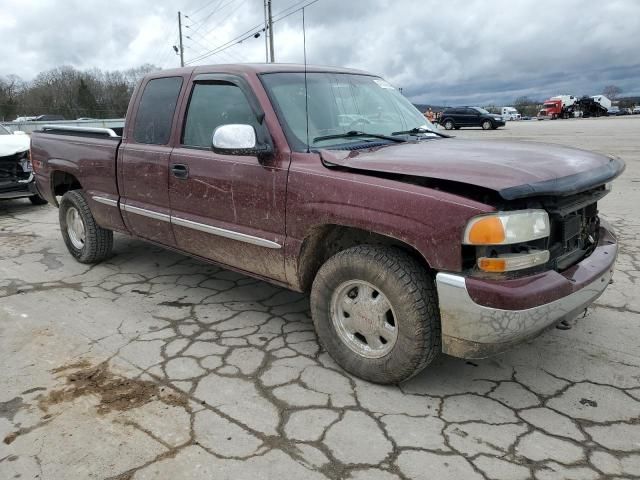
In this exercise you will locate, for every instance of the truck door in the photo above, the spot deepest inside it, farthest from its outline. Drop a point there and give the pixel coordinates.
(143, 168)
(227, 208)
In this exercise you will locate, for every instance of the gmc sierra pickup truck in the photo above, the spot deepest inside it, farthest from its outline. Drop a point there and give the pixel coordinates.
(328, 180)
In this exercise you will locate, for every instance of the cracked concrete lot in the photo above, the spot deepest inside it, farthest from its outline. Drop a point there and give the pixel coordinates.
(153, 365)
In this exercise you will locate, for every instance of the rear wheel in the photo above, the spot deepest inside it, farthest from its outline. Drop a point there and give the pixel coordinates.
(448, 124)
(85, 239)
(375, 311)
(487, 125)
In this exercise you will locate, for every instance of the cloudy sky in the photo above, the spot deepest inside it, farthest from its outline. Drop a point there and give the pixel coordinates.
(446, 52)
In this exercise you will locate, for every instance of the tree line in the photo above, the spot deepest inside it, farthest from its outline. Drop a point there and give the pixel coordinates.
(70, 92)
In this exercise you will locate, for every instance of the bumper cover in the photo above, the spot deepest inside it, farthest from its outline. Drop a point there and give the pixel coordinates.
(471, 330)
(19, 189)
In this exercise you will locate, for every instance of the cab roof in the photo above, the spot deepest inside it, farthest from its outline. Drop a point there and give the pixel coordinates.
(255, 68)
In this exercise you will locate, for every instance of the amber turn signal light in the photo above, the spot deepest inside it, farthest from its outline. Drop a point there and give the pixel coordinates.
(486, 231)
(509, 262)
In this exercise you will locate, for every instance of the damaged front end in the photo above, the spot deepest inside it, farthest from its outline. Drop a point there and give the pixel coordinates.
(16, 176)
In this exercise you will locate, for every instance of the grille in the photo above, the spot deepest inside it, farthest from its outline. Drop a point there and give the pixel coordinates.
(574, 235)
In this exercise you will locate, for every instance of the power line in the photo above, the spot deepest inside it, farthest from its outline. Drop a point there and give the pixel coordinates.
(253, 32)
(218, 8)
(203, 7)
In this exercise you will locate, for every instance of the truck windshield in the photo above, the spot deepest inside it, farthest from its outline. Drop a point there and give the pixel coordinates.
(339, 103)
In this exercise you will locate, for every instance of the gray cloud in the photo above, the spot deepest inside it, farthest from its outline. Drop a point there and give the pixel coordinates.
(475, 51)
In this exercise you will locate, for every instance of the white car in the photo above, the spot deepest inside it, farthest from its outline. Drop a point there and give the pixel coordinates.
(636, 109)
(16, 172)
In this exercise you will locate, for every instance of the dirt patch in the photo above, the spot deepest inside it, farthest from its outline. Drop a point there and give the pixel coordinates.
(9, 409)
(115, 393)
(10, 438)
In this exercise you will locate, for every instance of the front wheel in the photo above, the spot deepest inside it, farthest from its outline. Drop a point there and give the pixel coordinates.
(448, 124)
(85, 239)
(375, 311)
(487, 125)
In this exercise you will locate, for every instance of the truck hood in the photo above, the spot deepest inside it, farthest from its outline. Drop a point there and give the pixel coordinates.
(12, 144)
(512, 169)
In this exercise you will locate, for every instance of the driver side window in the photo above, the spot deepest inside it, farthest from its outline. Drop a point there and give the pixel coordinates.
(213, 104)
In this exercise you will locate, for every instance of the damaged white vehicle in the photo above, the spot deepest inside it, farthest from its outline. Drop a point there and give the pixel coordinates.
(16, 172)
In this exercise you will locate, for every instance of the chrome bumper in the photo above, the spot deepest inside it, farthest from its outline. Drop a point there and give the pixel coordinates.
(470, 330)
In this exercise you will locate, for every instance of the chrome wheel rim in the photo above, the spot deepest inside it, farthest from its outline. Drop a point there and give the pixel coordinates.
(75, 228)
(486, 125)
(364, 319)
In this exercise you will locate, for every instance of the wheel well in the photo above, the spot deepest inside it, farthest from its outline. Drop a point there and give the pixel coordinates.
(62, 182)
(325, 241)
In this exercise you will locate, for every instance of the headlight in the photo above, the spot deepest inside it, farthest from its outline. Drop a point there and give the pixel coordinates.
(505, 228)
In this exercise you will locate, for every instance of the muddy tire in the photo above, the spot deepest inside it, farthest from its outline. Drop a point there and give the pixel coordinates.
(487, 125)
(85, 239)
(375, 310)
(37, 200)
(448, 124)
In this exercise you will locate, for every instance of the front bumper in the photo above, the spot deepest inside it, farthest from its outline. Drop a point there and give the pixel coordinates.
(488, 323)
(19, 188)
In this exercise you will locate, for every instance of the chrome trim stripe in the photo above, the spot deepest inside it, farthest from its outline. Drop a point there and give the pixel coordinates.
(68, 128)
(221, 232)
(146, 213)
(106, 201)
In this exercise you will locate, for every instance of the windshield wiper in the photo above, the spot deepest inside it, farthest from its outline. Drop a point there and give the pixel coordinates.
(356, 133)
(422, 130)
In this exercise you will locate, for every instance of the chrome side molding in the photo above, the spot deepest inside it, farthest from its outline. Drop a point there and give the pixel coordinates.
(183, 222)
(105, 201)
(221, 232)
(146, 213)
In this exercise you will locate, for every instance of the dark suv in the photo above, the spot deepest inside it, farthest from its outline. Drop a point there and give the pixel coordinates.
(470, 117)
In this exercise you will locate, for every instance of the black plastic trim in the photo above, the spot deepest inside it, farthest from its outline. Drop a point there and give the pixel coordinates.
(568, 185)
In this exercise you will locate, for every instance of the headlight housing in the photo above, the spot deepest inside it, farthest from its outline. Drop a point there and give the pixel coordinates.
(506, 228)
(516, 237)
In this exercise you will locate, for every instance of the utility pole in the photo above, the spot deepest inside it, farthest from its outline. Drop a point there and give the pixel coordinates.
(266, 35)
(180, 32)
(270, 31)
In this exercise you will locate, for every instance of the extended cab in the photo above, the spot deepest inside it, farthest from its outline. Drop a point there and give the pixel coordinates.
(328, 180)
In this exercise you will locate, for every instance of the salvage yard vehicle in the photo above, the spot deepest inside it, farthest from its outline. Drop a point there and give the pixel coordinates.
(510, 113)
(16, 174)
(560, 106)
(410, 242)
(470, 117)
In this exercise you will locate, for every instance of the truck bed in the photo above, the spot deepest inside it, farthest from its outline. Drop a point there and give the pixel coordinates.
(77, 149)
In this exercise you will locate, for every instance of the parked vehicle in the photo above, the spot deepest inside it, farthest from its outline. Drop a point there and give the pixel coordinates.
(561, 106)
(510, 113)
(16, 172)
(613, 111)
(48, 118)
(24, 119)
(625, 111)
(411, 242)
(470, 117)
(595, 106)
(636, 110)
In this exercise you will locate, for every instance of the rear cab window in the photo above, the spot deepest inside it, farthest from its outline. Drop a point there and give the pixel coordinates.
(155, 113)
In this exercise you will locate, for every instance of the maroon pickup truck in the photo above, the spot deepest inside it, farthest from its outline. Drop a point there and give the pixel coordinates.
(329, 181)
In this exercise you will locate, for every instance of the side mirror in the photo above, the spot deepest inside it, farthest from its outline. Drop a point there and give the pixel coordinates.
(237, 139)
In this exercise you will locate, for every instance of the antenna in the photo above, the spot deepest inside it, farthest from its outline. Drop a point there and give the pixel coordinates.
(306, 88)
